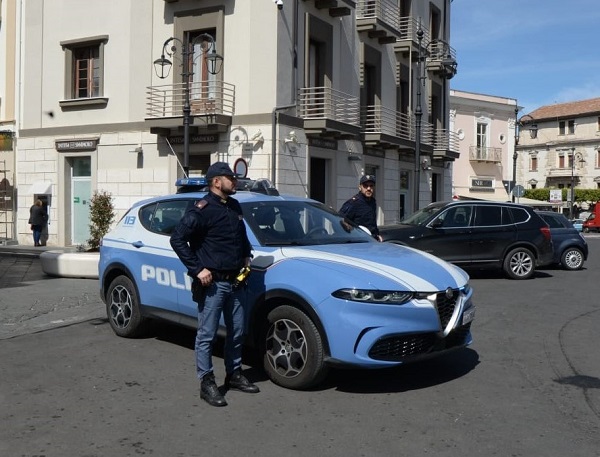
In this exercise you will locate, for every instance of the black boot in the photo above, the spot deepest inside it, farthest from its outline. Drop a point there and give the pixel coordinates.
(209, 392)
(238, 381)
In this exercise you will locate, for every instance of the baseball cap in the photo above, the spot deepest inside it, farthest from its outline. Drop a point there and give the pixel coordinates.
(219, 169)
(367, 178)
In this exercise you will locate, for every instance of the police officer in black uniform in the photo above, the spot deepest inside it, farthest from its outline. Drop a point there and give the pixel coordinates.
(362, 207)
(211, 242)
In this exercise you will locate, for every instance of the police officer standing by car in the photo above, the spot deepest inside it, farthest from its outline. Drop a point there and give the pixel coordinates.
(362, 207)
(212, 243)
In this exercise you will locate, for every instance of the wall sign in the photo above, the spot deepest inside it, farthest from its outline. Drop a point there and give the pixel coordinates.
(485, 183)
(77, 145)
(195, 139)
(322, 143)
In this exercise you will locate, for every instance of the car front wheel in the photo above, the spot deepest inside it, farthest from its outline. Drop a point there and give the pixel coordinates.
(572, 259)
(519, 264)
(123, 308)
(293, 354)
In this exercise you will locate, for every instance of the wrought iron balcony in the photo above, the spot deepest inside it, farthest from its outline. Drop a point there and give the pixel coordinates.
(329, 112)
(441, 59)
(379, 18)
(485, 154)
(386, 127)
(212, 104)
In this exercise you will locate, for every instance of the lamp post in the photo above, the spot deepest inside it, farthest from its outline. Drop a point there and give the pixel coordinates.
(572, 199)
(533, 129)
(418, 116)
(213, 62)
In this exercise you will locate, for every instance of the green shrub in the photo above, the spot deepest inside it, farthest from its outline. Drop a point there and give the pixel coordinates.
(102, 215)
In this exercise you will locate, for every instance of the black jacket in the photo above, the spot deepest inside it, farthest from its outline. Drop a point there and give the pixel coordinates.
(38, 215)
(362, 211)
(212, 235)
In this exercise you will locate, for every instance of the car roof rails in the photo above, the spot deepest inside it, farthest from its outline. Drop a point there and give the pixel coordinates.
(200, 184)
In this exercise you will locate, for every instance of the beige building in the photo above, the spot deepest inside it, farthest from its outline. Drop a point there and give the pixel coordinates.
(485, 125)
(309, 94)
(564, 150)
(8, 117)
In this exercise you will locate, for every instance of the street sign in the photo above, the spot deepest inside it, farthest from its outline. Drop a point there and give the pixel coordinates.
(555, 195)
(518, 191)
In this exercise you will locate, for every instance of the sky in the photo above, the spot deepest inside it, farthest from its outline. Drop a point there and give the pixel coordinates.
(539, 52)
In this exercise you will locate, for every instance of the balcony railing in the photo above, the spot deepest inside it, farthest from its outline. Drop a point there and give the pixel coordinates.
(385, 10)
(376, 119)
(206, 98)
(485, 154)
(445, 140)
(328, 103)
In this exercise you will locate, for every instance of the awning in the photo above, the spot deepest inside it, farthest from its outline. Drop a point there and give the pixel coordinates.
(41, 187)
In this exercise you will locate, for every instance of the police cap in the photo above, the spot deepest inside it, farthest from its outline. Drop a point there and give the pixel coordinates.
(367, 178)
(219, 169)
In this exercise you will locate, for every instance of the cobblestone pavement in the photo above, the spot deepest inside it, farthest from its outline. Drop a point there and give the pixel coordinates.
(31, 301)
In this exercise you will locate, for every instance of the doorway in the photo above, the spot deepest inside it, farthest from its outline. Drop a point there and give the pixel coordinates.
(81, 192)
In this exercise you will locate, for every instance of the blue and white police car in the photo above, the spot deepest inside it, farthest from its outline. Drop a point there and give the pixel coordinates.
(322, 292)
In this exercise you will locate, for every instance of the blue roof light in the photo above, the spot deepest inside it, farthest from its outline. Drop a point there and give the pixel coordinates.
(197, 181)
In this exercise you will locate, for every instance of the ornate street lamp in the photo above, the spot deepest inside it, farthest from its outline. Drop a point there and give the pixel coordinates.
(418, 116)
(533, 129)
(572, 199)
(163, 66)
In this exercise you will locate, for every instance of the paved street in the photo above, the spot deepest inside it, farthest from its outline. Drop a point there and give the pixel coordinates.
(529, 385)
(30, 301)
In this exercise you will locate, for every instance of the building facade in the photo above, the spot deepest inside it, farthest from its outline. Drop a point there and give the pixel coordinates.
(485, 125)
(562, 148)
(309, 94)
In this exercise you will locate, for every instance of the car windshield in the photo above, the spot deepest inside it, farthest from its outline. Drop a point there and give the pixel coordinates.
(300, 223)
(422, 215)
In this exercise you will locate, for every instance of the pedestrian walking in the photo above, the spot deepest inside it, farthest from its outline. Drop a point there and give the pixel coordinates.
(212, 243)
(362, 207)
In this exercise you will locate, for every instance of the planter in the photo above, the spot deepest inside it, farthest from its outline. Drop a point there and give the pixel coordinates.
(69, 264)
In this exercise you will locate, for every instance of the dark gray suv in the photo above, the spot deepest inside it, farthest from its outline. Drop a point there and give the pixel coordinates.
(478, 234)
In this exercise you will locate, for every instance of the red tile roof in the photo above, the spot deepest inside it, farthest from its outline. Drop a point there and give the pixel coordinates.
(564, 110)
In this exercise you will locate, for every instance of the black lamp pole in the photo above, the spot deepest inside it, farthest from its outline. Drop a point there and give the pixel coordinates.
(214, 62)
(418, 116)
(515, 155)
(572, 183)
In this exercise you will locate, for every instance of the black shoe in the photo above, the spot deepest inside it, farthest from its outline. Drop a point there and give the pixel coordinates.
(209, 392)
(238, 381)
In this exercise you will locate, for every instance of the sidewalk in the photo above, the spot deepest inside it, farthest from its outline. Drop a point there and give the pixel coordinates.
(30, 250)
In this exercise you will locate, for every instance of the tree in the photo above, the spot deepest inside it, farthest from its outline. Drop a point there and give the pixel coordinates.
(102, 215)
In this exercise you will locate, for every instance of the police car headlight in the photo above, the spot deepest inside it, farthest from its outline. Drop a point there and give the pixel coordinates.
(383, 297)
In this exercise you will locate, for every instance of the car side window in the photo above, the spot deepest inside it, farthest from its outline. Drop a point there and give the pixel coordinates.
(487, 216)
(519, 215)
(455, 217)
(553, 222)
(162, 217)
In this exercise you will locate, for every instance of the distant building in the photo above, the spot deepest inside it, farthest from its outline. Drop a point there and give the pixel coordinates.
(485, 125)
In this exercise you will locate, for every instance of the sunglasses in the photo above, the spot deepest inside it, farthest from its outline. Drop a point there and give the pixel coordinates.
(368, 186)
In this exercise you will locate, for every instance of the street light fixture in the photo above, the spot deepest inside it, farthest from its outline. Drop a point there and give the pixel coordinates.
(163, 66)
(418, 116)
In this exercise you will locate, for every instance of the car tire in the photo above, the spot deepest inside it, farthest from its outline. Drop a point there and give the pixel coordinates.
(123, 308)
(586, 230)
(572, 259)
(292, 348)
(519, 264)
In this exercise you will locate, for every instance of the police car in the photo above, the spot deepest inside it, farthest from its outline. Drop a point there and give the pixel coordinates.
(322, 292)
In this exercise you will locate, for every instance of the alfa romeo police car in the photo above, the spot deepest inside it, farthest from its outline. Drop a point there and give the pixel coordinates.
(322, 292)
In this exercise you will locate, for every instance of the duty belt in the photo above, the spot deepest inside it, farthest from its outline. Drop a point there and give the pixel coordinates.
(228, 275)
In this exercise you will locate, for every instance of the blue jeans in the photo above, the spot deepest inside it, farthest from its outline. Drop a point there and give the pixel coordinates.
(37, 234)
(219, 297)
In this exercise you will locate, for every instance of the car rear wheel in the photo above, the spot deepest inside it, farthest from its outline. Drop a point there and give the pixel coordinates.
(293, 349)
(123, 308)
(519, 264)
(572, 259)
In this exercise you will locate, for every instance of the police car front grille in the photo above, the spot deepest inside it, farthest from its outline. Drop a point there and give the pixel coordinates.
(445, 307)
(404, 347)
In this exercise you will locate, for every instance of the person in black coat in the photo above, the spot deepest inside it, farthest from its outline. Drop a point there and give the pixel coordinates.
(362, 207)
(38, 218)
(212, 243)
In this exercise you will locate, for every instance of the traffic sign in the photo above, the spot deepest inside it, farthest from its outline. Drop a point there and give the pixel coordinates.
(518, 191)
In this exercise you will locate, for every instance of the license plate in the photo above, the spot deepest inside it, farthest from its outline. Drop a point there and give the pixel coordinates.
(468, 315)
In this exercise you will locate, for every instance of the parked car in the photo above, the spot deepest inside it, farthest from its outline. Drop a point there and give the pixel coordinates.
(577, 224)
(321, 292)
(592, 223)
(570, 247)
(479, 234)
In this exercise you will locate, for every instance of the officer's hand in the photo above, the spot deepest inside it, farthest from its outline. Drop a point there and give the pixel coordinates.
(205, 277)
(379, 238)
(247, 261)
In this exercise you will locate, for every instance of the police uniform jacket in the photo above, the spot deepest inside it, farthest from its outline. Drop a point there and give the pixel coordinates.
(362, 211)
(212, 235)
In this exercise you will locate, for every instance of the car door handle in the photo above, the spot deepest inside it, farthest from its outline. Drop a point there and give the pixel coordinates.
(138, 244)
